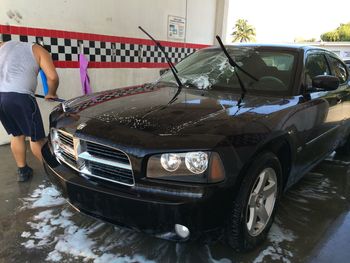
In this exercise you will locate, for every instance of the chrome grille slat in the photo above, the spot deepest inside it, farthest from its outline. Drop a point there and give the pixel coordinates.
(112, 170)
(68, 155)
(108, 155)
(108, 172)
(66, 141)
(106, 152)
(92, 158)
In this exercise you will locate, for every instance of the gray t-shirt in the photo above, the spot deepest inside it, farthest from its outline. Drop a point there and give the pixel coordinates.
(18, 68)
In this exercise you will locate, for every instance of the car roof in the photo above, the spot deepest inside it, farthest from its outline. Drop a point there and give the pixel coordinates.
(297, 47)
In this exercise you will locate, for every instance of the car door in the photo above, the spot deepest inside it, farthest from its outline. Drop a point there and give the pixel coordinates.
(322, 109)
(339, 69)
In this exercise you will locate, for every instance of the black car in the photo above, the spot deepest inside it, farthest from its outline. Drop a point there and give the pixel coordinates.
(213, 152)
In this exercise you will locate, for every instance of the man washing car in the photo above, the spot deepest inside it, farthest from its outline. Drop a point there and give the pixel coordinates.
(19, 112)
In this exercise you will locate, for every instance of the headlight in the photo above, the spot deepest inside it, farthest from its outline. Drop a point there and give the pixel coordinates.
(170, 161)
(200, 167)
(196, 162)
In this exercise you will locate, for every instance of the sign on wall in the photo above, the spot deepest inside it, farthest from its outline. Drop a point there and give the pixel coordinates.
(176, 27)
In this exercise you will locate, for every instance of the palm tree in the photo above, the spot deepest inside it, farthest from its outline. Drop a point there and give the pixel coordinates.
(243, 32)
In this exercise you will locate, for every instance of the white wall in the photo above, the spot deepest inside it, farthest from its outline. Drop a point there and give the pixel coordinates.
(110, 17)
(342, 49)
(115, 17)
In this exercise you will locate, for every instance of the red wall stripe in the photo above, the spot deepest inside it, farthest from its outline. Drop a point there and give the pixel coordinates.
(75, 64)
(17, 30)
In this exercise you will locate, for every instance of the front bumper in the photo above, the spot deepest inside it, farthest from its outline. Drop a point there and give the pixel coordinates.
(151, 209)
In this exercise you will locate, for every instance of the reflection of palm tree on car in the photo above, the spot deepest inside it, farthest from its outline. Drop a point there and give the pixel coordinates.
(243, 32)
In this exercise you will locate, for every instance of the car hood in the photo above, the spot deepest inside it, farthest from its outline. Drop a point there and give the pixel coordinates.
(163, 111)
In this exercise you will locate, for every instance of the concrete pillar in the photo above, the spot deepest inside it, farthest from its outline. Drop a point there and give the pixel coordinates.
(221, 19)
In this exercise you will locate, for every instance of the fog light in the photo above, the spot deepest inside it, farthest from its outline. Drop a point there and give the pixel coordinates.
(182, 231)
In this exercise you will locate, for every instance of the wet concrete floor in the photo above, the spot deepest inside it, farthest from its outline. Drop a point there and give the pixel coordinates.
(36, 225)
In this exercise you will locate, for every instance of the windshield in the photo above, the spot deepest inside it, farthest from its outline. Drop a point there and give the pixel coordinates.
(209, 69)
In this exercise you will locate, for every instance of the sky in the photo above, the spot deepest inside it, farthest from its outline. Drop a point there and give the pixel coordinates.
(283, 21)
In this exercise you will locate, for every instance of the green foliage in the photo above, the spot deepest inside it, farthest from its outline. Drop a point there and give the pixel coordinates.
(310, 40)
(243, 32)
(342, 33)
(303, 40)
(330, 36)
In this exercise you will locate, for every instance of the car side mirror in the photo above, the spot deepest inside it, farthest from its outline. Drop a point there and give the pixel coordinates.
(325, 82)
(162, 71)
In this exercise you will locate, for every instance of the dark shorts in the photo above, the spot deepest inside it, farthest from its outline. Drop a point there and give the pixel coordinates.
(20, 115)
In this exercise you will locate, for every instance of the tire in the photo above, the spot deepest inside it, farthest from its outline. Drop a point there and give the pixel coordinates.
(344, 149)
(248, 224)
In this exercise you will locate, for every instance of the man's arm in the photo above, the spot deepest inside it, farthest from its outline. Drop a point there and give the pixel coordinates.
(45, 62)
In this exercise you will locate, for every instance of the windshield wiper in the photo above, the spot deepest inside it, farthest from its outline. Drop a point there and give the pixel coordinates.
(171, 65)
(232, 62)
(235, 65)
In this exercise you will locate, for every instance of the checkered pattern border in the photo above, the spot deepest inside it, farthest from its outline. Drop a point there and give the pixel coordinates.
(101, 51)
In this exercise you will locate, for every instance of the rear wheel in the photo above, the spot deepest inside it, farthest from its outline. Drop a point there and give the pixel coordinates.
(254, 208)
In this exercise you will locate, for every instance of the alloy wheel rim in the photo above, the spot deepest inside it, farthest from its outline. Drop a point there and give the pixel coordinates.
(261, 201)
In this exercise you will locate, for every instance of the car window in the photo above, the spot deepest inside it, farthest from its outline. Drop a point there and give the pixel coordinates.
(280, 61)
(316, 64)
(210, 69)
(339, 69)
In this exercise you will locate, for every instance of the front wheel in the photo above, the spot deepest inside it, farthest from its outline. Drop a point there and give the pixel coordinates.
(345, 148)
(255, 205)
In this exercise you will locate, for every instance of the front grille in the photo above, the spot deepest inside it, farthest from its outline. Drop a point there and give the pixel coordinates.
(66, 148)
(93, 159)
(110, 173)
(66, 138)
(106, 163)
(69, 157)
(109, 153)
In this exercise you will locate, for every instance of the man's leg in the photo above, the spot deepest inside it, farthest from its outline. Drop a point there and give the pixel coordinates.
(18, 147)
(36, 148)
(16, 114)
